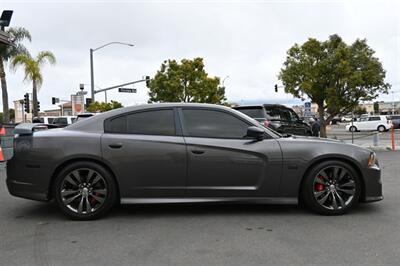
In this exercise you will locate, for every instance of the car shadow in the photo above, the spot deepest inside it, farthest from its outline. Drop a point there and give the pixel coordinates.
(49, 212)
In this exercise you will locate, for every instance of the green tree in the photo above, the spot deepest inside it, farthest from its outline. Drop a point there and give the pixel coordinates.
(33, 71)
(186, 81)
(7, 52)
(103, 107)
(334, 75)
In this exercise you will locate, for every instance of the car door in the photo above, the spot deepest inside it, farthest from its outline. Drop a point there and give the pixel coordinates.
(374, 122)
(222, 162)
(146, 152)
(362, 124)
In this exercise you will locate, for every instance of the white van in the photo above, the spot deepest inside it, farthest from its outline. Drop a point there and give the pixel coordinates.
(376, 122)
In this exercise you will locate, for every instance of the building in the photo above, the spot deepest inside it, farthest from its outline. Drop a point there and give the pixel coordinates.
(64, 110)
(20, 114)
(385, 108)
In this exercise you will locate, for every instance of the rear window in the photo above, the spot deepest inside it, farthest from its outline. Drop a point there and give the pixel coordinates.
(50, 120)
(254, 112)
(282, 114)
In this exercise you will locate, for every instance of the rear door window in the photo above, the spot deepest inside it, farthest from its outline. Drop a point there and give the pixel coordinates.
(155, 122)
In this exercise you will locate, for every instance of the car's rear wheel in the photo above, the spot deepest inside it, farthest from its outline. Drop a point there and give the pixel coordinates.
(381, 128)
(84, 191)
(331, 188)
(353, 129)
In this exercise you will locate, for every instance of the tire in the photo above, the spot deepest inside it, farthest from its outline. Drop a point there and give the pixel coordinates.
(352, 129)
(84, 191)
(381, 128)
(345, 191)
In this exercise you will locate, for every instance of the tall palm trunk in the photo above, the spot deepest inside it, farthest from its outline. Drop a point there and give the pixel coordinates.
(34, 98)
(6, 113)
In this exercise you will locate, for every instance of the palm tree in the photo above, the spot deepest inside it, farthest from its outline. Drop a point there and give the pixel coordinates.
(7, 52)
(33, 73)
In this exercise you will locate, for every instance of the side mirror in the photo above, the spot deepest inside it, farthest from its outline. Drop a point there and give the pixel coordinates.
(255, 133)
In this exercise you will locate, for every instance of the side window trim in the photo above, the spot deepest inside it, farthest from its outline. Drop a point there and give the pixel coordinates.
(177, 127)
(182, 120)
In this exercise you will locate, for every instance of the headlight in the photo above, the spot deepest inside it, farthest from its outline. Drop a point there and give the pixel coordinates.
(371, 160)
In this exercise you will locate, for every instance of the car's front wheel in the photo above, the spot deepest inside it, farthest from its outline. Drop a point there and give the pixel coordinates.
(331, 188)
(84, 191)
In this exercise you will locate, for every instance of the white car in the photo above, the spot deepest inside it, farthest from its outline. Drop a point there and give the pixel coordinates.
(377, 122)
(63, 121)
(44, 120)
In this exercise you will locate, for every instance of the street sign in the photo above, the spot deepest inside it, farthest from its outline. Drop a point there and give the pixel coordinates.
(127, 90)
(307, 108)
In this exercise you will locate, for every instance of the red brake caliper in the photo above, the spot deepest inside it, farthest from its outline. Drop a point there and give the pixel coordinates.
(93, 200)
(319, 186)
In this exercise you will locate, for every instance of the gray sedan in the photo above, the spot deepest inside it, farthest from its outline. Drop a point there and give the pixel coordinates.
(168, 153)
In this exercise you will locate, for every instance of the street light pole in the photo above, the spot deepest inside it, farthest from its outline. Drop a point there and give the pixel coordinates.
(223, 81)
(91, 75)
(91, 64)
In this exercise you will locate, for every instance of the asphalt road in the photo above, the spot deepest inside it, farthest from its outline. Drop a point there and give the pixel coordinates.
(34, 233)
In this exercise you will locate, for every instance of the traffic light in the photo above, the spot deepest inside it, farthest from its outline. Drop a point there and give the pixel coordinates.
(26, 103)
(38, 106)
(276, 87)
(147, 81)
(53, 100)
(88, 101)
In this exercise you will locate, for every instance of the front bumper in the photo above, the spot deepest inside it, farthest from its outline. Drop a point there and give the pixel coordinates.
(372, 184)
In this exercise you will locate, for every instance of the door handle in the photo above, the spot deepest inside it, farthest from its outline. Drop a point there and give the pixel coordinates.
(197, 151)
(115, 145)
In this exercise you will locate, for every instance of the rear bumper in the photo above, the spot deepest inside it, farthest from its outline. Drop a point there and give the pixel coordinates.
(25, 182)
(372, 184)
(25, 190)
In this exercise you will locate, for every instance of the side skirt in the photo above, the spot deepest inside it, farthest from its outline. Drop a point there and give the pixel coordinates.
(261, 200)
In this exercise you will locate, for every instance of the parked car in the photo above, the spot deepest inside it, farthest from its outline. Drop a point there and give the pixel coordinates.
(44, 119)
(63, 121)
(336, 120)
(181, 152)
(395, 120)
(346, 119)
(83, 116)
(277, 117)
(370, 123)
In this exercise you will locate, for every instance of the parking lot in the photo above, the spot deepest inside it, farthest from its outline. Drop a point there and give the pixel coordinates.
(363, 138)
(34, 233)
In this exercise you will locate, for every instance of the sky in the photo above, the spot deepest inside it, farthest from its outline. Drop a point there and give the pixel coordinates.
(243, 42)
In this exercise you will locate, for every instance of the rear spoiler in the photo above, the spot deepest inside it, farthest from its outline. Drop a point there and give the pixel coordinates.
(28, 128)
